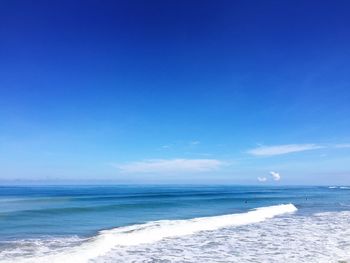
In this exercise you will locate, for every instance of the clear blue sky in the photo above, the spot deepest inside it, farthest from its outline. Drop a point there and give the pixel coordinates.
(175, 91)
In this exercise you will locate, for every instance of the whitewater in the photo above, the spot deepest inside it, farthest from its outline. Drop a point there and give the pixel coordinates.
(152, 232)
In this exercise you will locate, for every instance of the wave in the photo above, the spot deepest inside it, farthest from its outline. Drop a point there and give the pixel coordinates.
(146, 196)
(155, 231)
(18, 212)
(306, 238)
(339, 187)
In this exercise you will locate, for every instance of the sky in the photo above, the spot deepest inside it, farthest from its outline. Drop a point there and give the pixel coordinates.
(189, 92)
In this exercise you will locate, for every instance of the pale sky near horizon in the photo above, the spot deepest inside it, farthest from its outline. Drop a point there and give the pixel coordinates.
(197, 92)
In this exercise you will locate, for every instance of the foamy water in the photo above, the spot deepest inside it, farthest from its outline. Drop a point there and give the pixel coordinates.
(320, 238)
(149, 233)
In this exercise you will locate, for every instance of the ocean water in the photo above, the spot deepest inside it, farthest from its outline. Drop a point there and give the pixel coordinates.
(174, 224)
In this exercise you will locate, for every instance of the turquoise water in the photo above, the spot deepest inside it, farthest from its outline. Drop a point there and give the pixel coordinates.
(77, 213)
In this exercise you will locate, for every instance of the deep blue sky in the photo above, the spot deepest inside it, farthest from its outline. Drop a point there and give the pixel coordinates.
(175, 91)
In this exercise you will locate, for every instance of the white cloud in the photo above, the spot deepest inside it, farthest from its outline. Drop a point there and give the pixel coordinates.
(282, 149)
(275, 176)
(262, 179)
(344, 145)
(166, 146)
(195, 142)
(171, 166)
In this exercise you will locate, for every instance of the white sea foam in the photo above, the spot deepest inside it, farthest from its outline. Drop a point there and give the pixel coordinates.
(339, 187)
(151, 232)
(319, 238)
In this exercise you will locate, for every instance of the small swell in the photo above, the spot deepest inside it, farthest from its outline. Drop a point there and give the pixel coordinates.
(339, 187)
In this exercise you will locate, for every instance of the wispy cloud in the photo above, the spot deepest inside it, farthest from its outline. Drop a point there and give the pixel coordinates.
(166, 146)
(275, 176)
(343, 145)
(282, 149)
(262, 179)
(171, 166)
(195, 142)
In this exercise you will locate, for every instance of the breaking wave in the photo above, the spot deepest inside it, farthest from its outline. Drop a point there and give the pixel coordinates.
(150, 232)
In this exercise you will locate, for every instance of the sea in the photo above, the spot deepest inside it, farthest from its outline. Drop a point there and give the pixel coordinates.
(174, 223)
